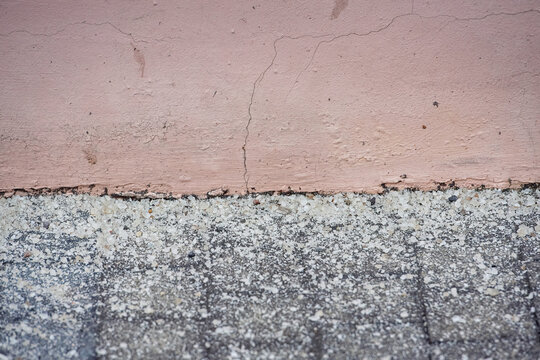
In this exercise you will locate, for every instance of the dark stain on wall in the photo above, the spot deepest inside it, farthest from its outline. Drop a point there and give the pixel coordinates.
(338, 8)
(139, 58)
(90, 156)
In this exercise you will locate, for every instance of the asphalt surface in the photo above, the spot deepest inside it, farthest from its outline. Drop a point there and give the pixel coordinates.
(404, 275)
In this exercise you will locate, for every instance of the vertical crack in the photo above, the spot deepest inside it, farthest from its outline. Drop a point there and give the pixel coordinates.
(254, 89)
(261, 76)
(250, 116)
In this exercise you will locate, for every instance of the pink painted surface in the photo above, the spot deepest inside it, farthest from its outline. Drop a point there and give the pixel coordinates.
(189, 96)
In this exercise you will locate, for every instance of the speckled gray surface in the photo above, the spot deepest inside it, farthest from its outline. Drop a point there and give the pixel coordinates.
(412, 275)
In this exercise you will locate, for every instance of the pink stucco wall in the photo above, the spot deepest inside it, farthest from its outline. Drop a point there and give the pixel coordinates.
(189, 96)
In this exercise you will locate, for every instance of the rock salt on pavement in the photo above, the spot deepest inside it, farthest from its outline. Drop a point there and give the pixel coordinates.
(403, 274)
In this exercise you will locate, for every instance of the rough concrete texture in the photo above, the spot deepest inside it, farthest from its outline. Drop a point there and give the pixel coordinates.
(186, 97)
(412, 275)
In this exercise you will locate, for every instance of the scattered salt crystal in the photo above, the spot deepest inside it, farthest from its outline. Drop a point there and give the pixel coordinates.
(317, 316)
(24, 327)
(491, 292)
(224, 330)
(524, 230)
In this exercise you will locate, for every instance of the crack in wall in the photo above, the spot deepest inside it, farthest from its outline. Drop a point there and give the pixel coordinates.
(335, 37)
(115, 27)
(454, 19)
(254, 89)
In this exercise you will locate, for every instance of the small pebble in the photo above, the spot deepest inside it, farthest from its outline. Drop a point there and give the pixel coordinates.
(453, 198)
(191, 254)
(372, 201)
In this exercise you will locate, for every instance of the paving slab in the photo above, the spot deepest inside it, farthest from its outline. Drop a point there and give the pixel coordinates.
(440, 275)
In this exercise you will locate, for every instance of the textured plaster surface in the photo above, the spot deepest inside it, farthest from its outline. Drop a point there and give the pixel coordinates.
(189, 97)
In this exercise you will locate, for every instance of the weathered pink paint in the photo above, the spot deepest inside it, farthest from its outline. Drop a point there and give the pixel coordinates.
(189, 96)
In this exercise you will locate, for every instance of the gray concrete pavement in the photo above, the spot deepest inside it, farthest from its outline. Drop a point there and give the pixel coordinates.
(411, 276)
